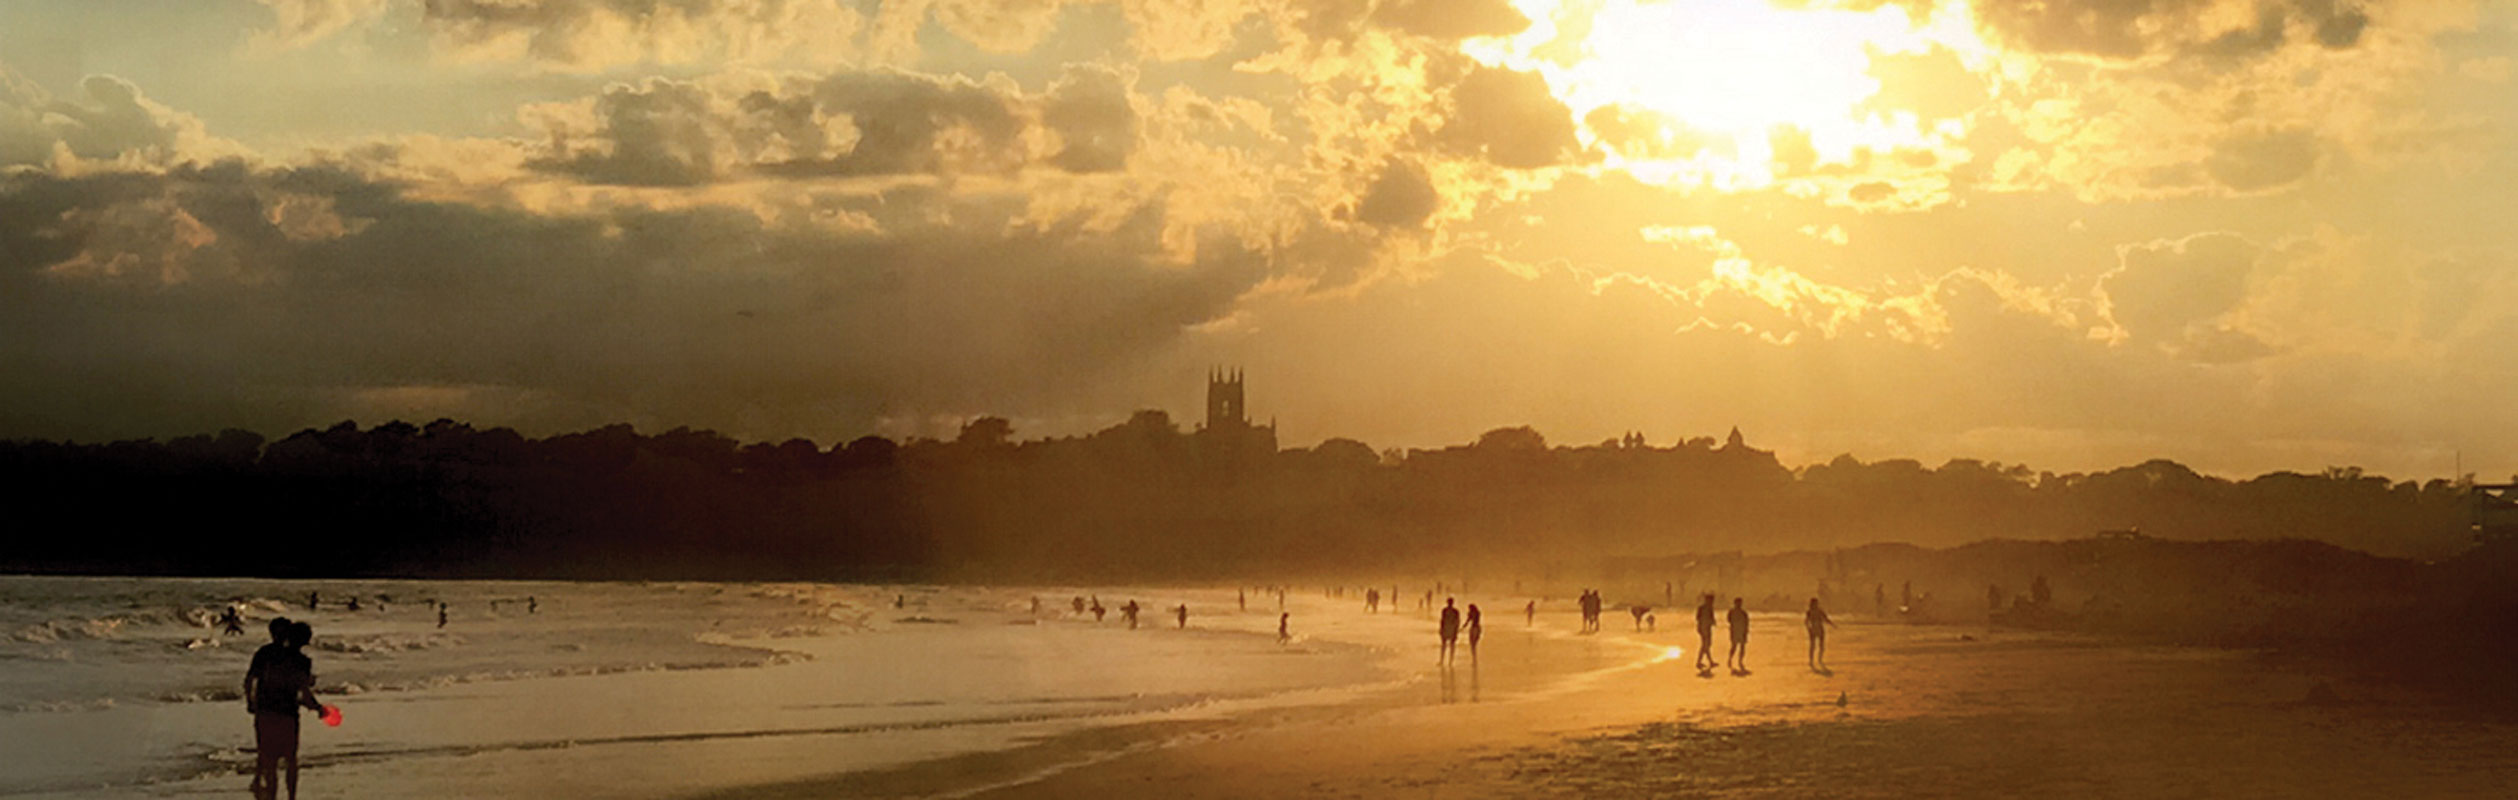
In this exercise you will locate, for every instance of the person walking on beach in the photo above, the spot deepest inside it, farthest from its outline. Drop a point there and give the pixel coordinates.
(279, 682)
(1283, 635)
(441, 615)
(1079, 604)
(1530, 614)
(533, 606)
(1739, 655)
(1816, 619)
(1477, 630)
(1130, 611)
(1098, 610)
(1639, 612)
(1450, 630)
(1184, 616)
(1372, 601)
(1705, 634)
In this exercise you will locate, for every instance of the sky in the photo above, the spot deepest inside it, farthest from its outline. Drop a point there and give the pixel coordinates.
(2248, 235)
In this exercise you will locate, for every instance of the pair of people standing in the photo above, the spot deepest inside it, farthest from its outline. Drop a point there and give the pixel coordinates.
(280, 681)
(1450, 632)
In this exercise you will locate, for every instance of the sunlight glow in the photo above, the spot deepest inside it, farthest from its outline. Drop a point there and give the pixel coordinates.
(1698, 90)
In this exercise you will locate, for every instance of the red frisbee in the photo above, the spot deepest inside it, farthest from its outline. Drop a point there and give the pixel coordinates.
(332, 716)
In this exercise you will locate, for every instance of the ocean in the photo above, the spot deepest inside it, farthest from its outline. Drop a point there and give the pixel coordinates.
(124, 686)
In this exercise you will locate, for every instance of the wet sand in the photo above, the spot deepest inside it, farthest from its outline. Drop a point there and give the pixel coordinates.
(1926, 712)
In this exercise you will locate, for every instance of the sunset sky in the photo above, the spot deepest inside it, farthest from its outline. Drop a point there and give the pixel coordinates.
(2249, 235)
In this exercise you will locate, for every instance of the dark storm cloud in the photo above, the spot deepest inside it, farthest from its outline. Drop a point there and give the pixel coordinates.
(664, 132)
(261, 311)
(1510, 118)
(1402, 196)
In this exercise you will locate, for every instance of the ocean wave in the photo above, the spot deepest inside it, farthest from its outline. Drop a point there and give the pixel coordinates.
(387, 643)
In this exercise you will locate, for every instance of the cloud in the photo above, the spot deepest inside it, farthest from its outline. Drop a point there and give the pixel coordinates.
(1402, 197)
(1452, 19)
(297, 23)
(2133, 29)
(663, 132)
(2179, 295)
(110, 121)
(1509, 118)
(2258, 160)
(227, 294)
(589, 35)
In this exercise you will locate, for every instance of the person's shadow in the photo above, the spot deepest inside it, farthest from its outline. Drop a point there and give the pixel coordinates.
(1823, 671)
(1741, 672)
(1705, 672)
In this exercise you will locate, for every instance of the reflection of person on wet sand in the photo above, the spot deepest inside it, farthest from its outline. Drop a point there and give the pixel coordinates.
(1738, 658)
(1816, 619)
(1705, 634)
(1450, 630)
(280, 681)
(1477, 630)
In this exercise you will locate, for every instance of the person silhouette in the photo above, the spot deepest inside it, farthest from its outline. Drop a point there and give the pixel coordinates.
(1184, 616)
(231, 621)
(1098, 610)
(1079, 604)
(1283, 634)
(1816, 619)
(1477, 630)
(1639, 612)
(280, 680)
(1738, 658)
(1450, 630)
(1530, 613)
(534, 606)
(1705, 634)
(441, 615)
(1130, 611)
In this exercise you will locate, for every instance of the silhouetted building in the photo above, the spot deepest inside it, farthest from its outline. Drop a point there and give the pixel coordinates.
(1228, 428)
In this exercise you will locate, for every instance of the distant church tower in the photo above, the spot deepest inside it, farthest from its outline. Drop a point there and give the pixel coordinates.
(1225, 410)
(1228, 428)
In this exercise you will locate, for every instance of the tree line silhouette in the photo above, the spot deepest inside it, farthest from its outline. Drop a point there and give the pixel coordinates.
(1141, 500)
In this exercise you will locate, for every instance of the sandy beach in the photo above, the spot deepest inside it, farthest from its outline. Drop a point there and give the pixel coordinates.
(1354, 706)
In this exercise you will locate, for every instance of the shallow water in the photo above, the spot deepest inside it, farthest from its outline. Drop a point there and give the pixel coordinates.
(116, 686)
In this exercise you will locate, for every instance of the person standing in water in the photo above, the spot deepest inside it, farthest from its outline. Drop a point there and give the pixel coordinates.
(1098, 610)
(1184, 616)
(1130, 611)
(1530, 613)
(1705, 634)
(1477, 630)
(441, 615)
(280, 681)
(1739, 655)
(1450, 630)
(1816, 619)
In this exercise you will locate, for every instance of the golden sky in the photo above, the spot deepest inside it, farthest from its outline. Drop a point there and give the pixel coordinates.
(2245, 234)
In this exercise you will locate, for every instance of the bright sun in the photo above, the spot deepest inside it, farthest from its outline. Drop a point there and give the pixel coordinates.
(1700, 87)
